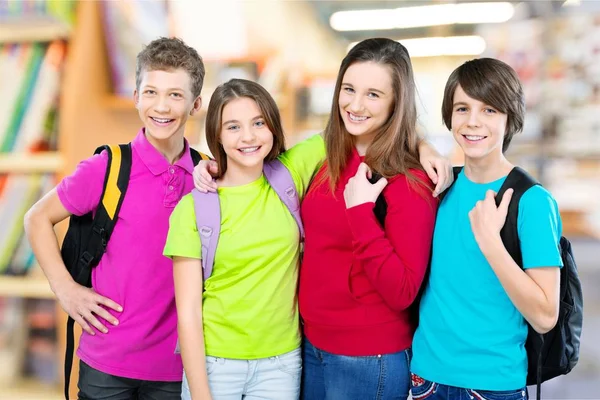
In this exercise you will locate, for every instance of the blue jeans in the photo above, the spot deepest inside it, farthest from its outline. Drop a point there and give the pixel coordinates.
(273, 378)
(327, 376)
(423, 389)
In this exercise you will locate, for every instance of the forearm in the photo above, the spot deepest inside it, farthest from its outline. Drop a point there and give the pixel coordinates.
(533, 303)
(42, 238)
(191, 341)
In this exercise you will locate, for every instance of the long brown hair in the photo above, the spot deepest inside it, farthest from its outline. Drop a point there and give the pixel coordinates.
(234, 89)
(394, 149)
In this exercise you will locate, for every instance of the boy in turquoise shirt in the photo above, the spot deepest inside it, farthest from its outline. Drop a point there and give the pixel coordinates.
(472, 331)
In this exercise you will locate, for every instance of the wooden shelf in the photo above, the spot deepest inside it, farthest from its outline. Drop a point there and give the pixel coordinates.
(34, 30)
(50, 161)
(119, 103)
(30, 389)
(23, 286)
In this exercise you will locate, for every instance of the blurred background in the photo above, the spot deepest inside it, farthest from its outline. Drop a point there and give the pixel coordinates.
(67, 76)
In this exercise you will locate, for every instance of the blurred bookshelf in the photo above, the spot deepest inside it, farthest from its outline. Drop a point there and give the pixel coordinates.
(33, 30)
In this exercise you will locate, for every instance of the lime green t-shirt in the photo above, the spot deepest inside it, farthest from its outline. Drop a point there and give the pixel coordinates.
(249, 302)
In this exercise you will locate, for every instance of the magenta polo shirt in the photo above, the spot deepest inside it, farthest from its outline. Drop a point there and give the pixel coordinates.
(133, 272)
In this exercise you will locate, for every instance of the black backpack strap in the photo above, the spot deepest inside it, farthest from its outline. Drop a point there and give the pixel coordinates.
(197, 156)
(520, 181)
(116, 181)
(380, 208)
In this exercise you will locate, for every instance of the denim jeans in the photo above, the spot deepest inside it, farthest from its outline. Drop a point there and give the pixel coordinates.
(273, 378)
(423, 389)
(95, 385)
(329, 376)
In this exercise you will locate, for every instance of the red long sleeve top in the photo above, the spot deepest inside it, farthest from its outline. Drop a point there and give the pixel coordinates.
(357, 279)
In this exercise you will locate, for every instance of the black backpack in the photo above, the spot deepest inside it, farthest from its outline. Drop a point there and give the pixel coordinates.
(557, 351)
(87, 236)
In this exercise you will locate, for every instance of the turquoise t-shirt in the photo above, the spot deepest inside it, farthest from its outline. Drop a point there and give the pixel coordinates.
(470, 334)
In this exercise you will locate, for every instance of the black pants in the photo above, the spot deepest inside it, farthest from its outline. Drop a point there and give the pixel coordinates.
(96, 385)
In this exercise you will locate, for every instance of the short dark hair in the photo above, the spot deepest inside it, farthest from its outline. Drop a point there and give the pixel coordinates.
(165, 54)
(494, 83)
(234, 89)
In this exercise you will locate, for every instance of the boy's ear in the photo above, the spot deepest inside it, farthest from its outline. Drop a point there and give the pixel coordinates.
(197, 105)
(136, 97)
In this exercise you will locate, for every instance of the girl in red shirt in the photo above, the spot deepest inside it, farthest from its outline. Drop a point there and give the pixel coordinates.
(359, 279)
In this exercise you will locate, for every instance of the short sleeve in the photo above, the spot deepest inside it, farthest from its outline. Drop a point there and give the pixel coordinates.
(540, 229)
(304, 160)
(80, 192)
(183, 239)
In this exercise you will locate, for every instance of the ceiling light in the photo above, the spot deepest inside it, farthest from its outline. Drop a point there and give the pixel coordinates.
(442, 46)
(411, 17)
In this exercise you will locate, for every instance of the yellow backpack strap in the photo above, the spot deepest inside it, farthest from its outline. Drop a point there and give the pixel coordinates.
(116, 182)
(197, 156)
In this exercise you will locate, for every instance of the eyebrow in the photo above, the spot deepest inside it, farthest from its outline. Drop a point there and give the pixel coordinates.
(237, 122)
(169, 89)
(459, 103)
(370, 89)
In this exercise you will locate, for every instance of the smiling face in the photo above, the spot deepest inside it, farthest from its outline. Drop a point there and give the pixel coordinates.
(164, 102)
(478, 128)
(245, 136)
(366, 98)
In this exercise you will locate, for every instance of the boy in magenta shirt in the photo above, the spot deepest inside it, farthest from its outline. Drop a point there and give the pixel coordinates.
(127, 349)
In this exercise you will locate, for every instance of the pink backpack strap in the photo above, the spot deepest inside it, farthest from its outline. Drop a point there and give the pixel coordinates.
(208, 221)
(208, 210)
(280, 179)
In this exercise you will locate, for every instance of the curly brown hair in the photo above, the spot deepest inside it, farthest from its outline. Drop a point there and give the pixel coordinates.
(165, 54)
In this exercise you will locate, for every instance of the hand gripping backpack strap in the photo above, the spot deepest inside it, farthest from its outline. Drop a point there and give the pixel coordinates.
(208, 220)
(116, 181)
(280, 179)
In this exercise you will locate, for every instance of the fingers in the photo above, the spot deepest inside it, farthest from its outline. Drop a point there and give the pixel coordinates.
(506, 201)
(442, 180)
(91, 318)
(213, 167)
(380, 184)
(362, 170)
(203, 180)
(102, 313)
(84, 325)
(431, 173)
(105, 301)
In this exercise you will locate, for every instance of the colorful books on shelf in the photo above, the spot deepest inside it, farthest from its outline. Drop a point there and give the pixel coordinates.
(128, 26)
(29, 100)
(17, 194)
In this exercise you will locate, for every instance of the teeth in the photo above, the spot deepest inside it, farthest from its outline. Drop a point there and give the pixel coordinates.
(249, 149)
(356, 117)
(161, 120)
(474, 138)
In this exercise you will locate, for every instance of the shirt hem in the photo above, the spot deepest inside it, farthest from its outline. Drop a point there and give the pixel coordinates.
(123, 373)
(238, 356)
(473, 384)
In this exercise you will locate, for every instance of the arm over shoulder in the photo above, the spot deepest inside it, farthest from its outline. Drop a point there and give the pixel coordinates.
(304, 160)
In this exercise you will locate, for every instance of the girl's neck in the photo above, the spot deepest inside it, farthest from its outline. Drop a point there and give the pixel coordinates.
(362, 143)
(487, 169)
(237, 175)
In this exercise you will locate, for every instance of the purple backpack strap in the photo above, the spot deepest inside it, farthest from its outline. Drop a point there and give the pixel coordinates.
(280, 179)
(208, 221)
